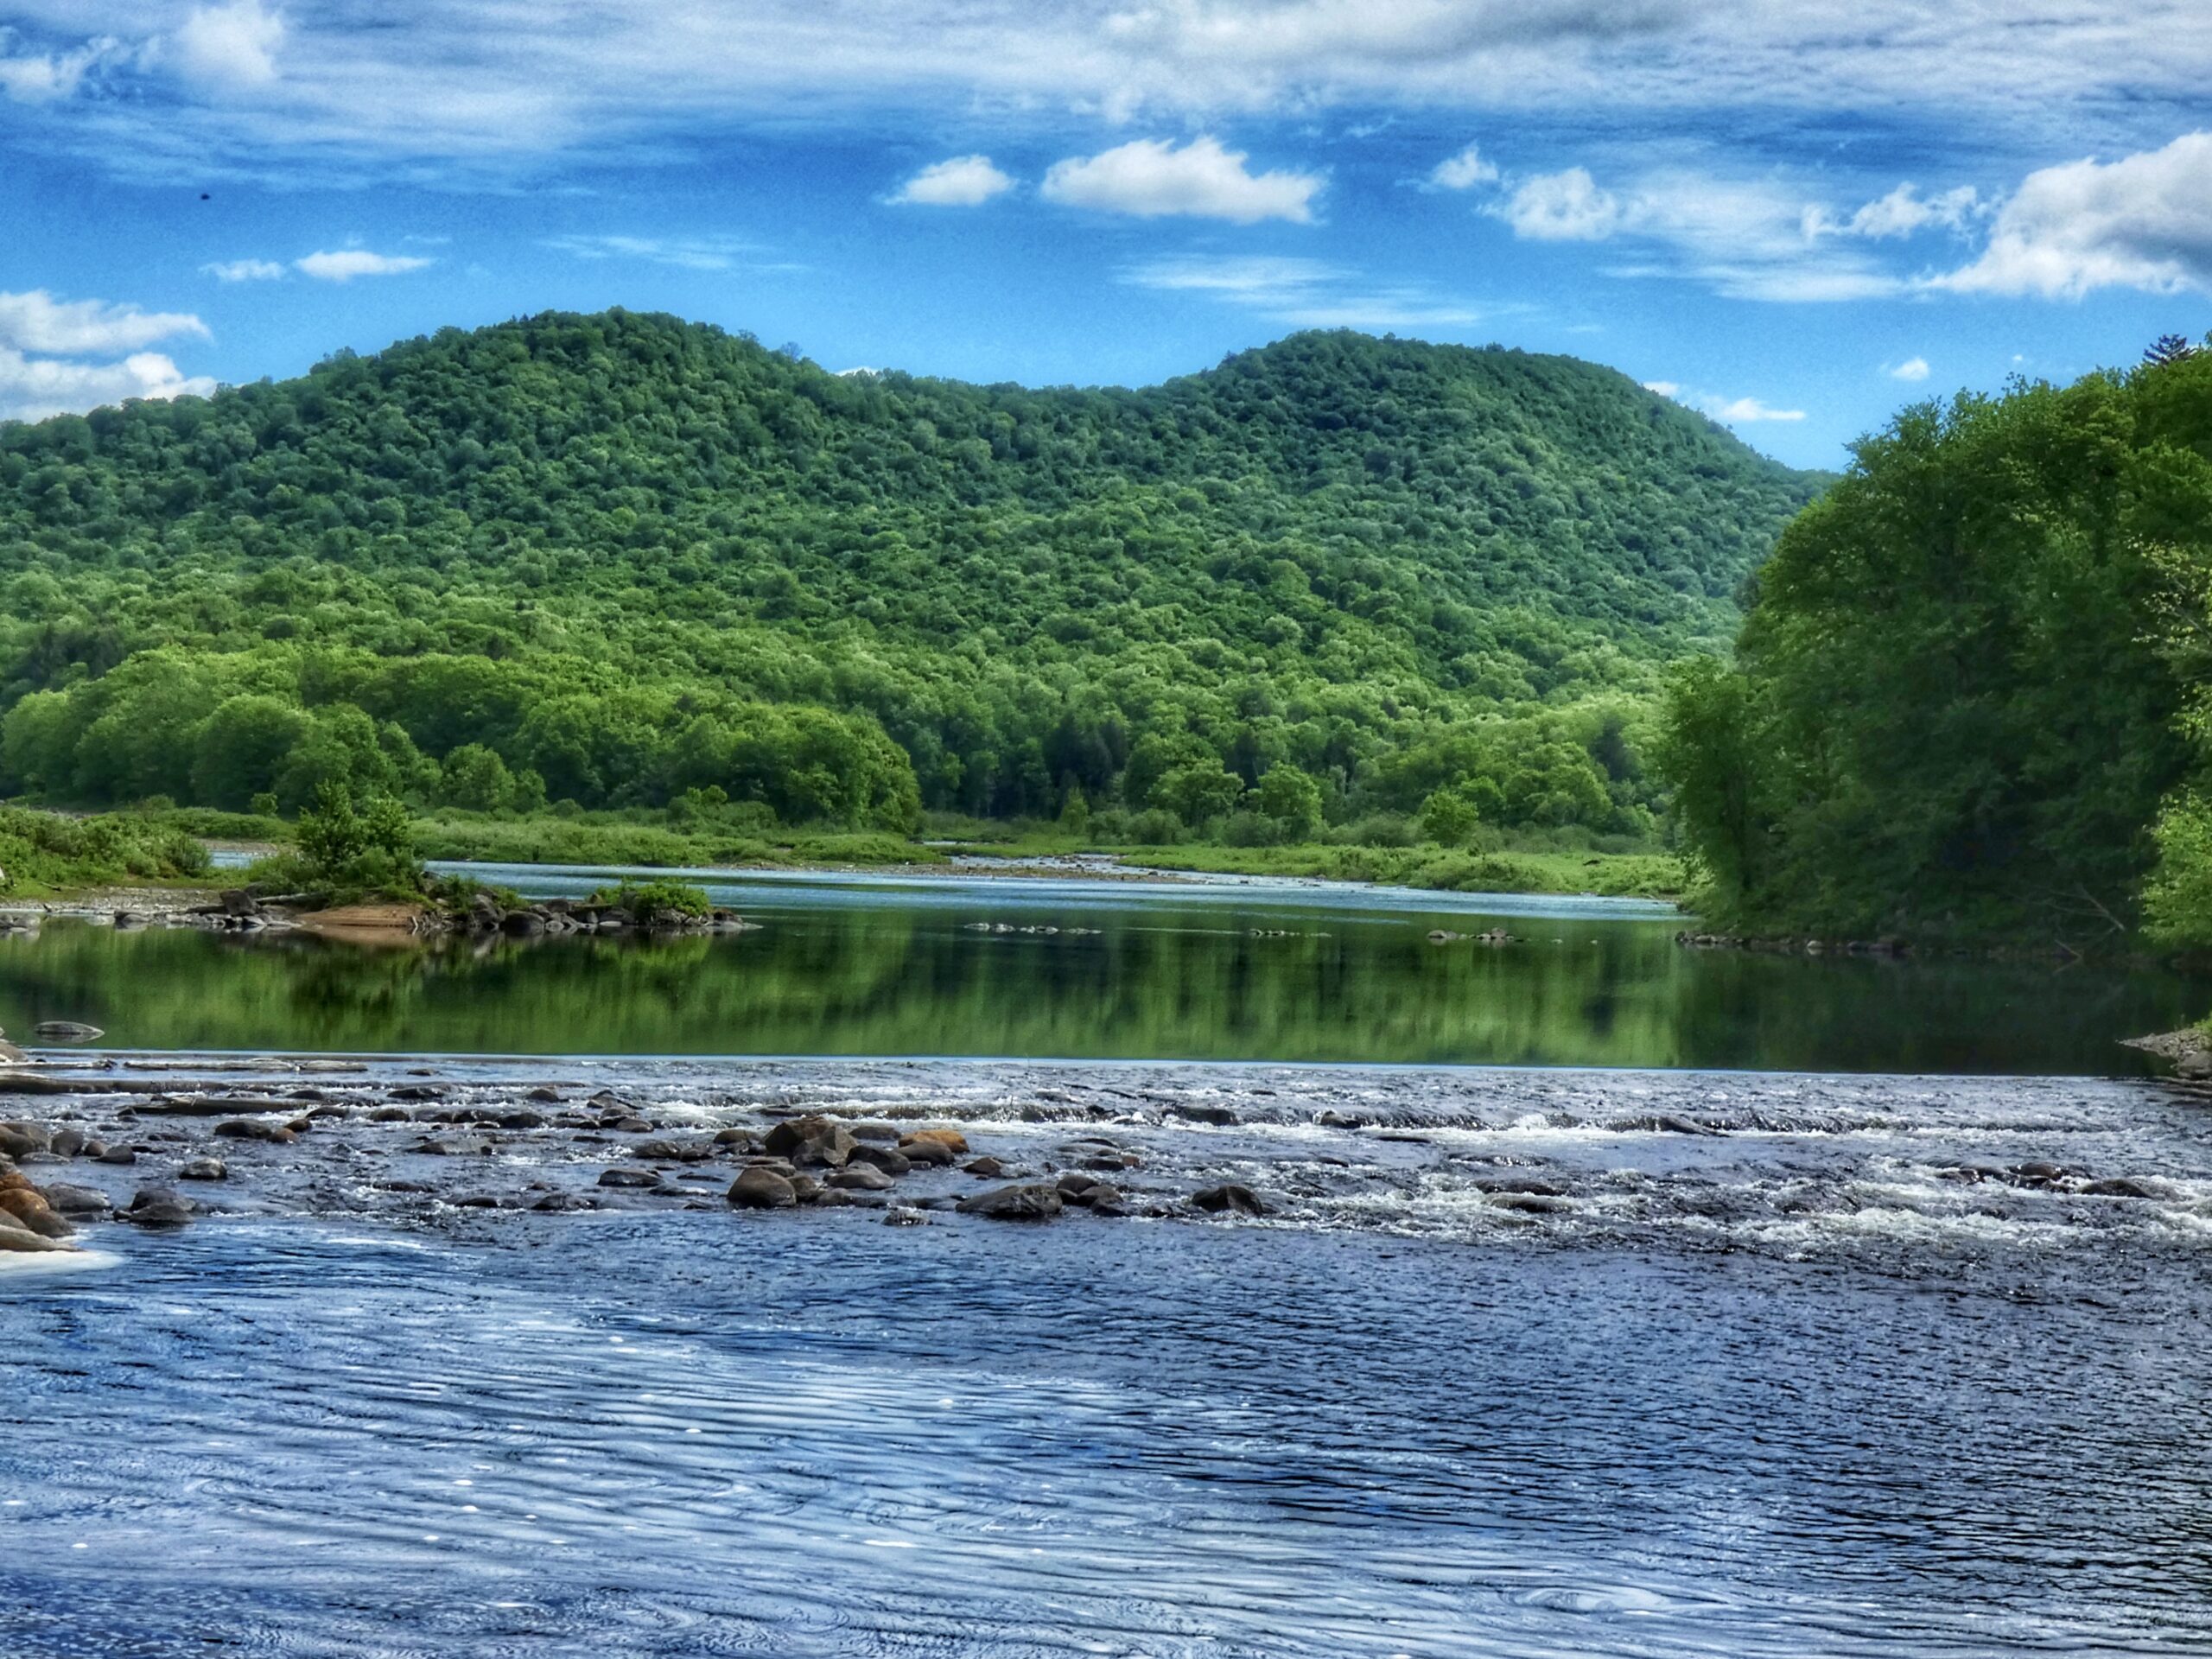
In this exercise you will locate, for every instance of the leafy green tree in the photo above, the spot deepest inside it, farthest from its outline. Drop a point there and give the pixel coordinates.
(1291, 800)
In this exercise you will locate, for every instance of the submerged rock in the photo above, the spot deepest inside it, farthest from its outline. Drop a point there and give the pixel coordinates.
(1035, 1202)
(1230, 1198)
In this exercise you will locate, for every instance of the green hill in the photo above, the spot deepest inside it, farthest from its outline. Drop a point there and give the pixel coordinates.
(634, 556)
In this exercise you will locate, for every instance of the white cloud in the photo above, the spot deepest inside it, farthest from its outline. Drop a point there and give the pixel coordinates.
(1463, 171)
(344, 264)
(1745, 238)
(1563, 206)
(963, 181)
(497, 78)
(243, 271)
(48, 77)
(1913, 369)
(36, 321)
(1664, 388)
(1150, 178)
(2144, 222)
(1744, 411)
(32, 388)
(1902, 212)
(233, 45)
(685, 252)
(1305, 293)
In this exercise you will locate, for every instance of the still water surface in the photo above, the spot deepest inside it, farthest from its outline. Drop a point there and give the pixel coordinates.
(1034, 967)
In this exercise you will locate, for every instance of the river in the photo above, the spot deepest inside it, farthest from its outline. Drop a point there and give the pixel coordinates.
(1614, 1354)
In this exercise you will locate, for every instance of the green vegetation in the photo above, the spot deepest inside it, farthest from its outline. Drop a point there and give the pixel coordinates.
(657, 904)
(346, 851)
(1970, 699)
(1612, 875)
(45, 852)
(626, 563)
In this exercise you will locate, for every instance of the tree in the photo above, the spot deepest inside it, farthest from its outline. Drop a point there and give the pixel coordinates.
(2169, 348)
(1292, 801)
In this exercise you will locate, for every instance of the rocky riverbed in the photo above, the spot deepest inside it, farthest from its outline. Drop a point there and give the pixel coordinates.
(1907, 1172)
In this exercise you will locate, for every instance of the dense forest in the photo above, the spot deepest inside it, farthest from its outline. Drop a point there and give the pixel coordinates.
(1973, 695)
(622, 560)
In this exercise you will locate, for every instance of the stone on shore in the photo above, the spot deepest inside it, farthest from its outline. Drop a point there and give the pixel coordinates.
(762, 1189)
(28, 1208)
(18, 1239)
(1033, 1202)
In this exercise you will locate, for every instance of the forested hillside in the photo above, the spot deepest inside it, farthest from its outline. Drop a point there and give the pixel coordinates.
(615, 558)
(1970, 699)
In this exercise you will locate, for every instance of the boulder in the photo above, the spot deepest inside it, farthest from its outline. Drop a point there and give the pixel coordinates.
(1071, 1186)
(762, 1189)
(29, 1209)
(985, 1168)
(813, 1140)
(671, 1152)
(78, 1201)
(887, 1159)
(629, 1178)
(859, 1178)
(743, 1140)
(2111, 1186)
(806, 1188)
(66, 1143)
(67, 1031)
(952, 1140)
(117, 1155)
(1034, 1202)
(1105, 1199)
(254, 1128)
(933, 1152)
(17, 1238)
(1229, 1200)
(204, 1169)
(156, 1206)
(20, 1140)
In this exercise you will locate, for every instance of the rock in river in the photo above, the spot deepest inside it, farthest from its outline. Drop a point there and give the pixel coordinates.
(1232, 1198)
(859, 1178)
(762, 1189)
(66, 1031)
(17, 1239)
(813, 1140)
(204, 1169)
(156, 1206)
(1036, 1201)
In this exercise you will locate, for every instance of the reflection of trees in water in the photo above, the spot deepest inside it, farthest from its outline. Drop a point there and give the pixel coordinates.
(1154, 983)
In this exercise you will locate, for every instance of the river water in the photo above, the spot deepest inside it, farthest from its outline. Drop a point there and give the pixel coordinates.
(1520, 1362)
(1039, 967)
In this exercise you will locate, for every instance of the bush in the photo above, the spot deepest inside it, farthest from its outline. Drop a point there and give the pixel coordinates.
(653, 903)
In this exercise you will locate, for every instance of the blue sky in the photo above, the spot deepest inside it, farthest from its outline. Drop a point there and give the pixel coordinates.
(1794, 214)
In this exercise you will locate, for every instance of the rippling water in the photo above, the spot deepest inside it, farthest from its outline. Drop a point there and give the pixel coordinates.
(1773, 1380)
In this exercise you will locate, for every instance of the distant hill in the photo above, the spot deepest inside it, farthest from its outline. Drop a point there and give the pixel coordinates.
(573, 540)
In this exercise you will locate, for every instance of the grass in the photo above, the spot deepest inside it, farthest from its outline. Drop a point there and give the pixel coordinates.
(46, 854)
